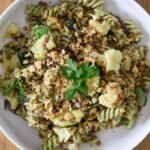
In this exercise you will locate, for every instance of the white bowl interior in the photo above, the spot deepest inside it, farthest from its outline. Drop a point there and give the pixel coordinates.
(17, 130)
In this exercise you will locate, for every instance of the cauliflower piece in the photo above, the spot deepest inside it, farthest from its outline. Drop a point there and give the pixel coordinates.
(102, 28)
(113, 95)
(64, 133)
(51, 44)
(38, 49)
(113, 60)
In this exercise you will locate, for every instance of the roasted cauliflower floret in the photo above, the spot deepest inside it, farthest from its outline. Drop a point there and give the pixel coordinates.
(38, 48)
(113, 60)
(50, 44)
(102, 28)
(113, 95)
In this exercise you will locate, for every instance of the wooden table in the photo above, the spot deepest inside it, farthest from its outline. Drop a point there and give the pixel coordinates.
(5, 144)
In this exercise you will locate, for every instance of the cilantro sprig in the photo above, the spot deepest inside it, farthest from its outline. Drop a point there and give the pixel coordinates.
(79, 75)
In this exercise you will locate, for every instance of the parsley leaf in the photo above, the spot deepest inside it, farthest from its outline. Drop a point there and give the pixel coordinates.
(69, 74)
(71, 93)
(70, 70)
(39, 31)
(82, 87)
(87, 71)
(79, 75)
(72, 64)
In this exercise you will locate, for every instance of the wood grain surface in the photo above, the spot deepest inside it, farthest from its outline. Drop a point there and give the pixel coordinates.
(5, 144)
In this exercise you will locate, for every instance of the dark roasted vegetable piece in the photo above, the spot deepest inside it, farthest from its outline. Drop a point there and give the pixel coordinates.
(7, 105)
(22, 57)
(67, 50)
(70, 23)
(70, 53)
(123, 26)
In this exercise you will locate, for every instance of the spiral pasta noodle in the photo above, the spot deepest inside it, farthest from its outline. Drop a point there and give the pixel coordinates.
(134, 32)
(92, 3)
(109, 114)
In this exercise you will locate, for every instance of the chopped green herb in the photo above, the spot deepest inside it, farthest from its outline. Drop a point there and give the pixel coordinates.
(21, 91)
(71, 93)
(70, 70)
(79, 76)
(82, 87)
(140, 96)
(39, 31)
(16, 85)
(87, 71)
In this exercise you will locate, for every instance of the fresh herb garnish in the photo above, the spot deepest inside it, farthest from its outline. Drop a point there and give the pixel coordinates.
(71, 93)
(39, 31)
(16, 85)
(79, 75)
(21, 91)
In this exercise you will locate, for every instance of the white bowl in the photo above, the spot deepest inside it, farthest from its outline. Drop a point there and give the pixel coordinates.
(17, 130)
